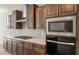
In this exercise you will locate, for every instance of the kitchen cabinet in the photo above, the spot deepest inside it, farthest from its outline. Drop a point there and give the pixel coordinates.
(27, 51)
(9, 46)
(51, 10)
(77, 34)
(18, 25)
(77, 8)
(15, 47)
(38, 52)
(67, 9)
(20, 47)
(33, 49)
(31, 15)
(27, 48)
(16, 15)
(38, 49)
(40, 17)
(5, 44)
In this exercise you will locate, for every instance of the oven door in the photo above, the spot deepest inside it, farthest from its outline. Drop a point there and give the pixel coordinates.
(60, 48)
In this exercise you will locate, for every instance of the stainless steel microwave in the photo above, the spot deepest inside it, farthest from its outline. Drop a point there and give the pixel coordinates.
(65, 26)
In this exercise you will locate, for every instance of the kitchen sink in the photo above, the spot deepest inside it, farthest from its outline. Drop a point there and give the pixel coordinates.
(23, 37)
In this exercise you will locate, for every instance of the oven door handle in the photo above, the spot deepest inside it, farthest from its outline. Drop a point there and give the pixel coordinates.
(61, 42)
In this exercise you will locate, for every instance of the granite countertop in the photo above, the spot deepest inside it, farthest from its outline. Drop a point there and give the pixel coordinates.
(33, 40)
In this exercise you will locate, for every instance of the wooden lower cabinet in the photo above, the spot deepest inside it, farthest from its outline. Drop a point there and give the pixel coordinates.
(15, 47)
(9, 46)
(27, 51)
(5, 44)
(18, 47)
(33, 49)
(38, 49)
(27, 48)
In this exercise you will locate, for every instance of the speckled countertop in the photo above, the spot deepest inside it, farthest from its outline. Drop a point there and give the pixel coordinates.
(33, 40)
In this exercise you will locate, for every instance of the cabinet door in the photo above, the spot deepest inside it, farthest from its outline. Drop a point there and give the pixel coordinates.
(27, 48)
(40, 17)
(18, 25)
(77, 37)
(38, 49)
(5, 44)
(51, 10)
(77, 8)
(16, 15)
(30, 15)
(27, 51)
(20, 49)
(14, 48)
(10, 46)
(67, 9)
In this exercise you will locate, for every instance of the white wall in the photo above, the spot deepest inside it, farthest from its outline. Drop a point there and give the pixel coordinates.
(2, 26)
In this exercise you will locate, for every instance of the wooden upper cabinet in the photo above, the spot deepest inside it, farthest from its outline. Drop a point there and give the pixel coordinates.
(16, 15)
(51, 10)
(40, 17)
(67, 9)
(30, 14)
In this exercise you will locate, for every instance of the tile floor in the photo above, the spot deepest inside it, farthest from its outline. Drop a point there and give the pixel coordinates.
(2, 51)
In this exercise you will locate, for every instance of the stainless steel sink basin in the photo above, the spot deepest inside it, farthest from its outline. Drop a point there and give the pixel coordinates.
(23, 37)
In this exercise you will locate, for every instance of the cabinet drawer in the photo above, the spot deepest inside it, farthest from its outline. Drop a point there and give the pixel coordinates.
(28, 45)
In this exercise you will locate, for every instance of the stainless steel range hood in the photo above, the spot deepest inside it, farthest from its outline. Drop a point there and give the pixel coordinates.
(23, 20)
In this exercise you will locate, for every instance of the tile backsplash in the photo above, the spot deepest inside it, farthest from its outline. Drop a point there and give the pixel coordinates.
(39, 33)
(35, 33)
